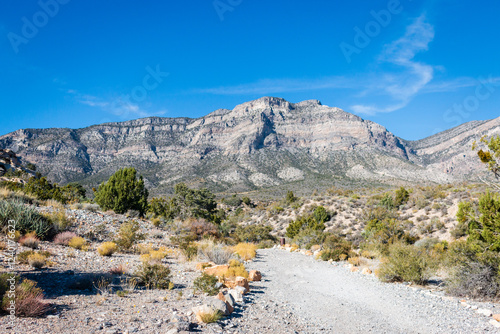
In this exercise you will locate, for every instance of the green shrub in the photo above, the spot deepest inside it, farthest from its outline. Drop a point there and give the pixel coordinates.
(128, 234)
(302, 223)
(207, 284)
(483, 231)
(471, 274)
(406, 263)
(233, 201)
(401, 197)
(290, 198)
(122, 192)
(153, 276)
(254, 233)
(27, 219)
(334, 247)
(387, 202)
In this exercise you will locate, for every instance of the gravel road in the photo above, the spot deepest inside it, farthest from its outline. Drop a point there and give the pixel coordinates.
(323, 298)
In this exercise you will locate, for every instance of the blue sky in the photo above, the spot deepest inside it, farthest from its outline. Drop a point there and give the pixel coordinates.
(416, 67)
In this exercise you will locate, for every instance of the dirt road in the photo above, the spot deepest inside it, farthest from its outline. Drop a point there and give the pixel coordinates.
(318, 297)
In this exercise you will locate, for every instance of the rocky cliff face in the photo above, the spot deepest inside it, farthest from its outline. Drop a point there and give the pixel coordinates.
(260, 143)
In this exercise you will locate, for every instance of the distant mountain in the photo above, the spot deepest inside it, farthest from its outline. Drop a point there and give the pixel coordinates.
(262, 143)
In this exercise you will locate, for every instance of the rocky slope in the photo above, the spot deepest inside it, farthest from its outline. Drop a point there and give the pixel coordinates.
(261, 143)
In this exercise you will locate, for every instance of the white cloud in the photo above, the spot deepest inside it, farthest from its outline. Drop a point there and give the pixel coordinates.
(413, 76)
(120, 106)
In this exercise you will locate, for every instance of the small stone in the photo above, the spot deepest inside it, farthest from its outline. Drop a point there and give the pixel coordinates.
(254, 276)
(495, 323)
(496, 317)
(485, 312)
(366, 271)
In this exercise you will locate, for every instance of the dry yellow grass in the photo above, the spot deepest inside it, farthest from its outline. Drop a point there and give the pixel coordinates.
(107, 248)
(208, 315)
(157, 255)
(36, 260)
(246, 251)
(78, 243)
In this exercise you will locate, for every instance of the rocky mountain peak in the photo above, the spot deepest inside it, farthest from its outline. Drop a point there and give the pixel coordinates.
(261, 143)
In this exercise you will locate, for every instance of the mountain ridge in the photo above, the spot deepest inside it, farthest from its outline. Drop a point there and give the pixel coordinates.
(261, 143)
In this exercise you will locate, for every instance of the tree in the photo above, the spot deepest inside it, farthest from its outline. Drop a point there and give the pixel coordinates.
(123, 191)
(490, 156)
(197, 203)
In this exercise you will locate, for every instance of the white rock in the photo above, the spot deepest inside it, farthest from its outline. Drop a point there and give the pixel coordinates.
(495, 323)
(485, 312)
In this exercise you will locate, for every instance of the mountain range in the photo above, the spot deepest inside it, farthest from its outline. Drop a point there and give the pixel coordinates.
(268, 142)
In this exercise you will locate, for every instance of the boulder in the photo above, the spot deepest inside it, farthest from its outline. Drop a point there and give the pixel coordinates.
(308, 253)
(200, 266)
(216, 270)
(242, 281)
(233, 282)
(315, 248)
(496, 317)
(219, 305)
(237, 295)
(228, 299)
(254, 276)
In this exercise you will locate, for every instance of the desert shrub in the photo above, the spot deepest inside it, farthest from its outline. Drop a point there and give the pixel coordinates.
(107, 248)
(254, 233)
(59, 219)
(30, 241)
(236, 268)
(483, 230)
(401, 197)
(128, 234)
(123, 191)
(41, 188)
(233, 201)
(302, 223)
(321, 215)
(472, 274)
(308, 237)
(118, 270)
(37, 260)
(201, 228)
(246, 251)
(28, 299)
(380, 234)
(64, 238)
(78, 243)
(247, 201)
(276, 209)
(22, 257)
(153, 276)
(216, 253)
(406, 263)
(189, 250)
(334, 247)
(27, 219)
(387, 202)
(207, 284)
